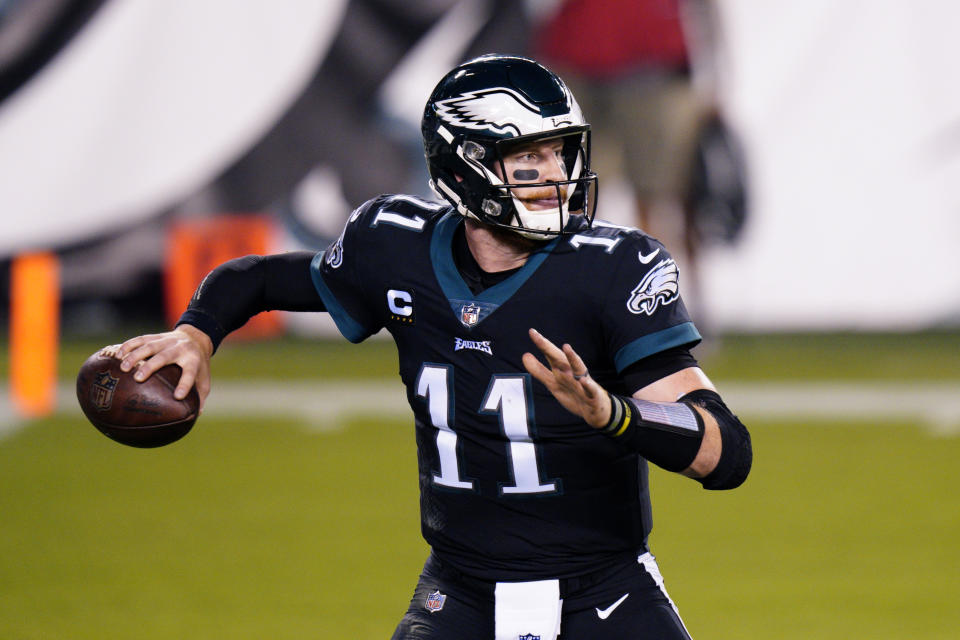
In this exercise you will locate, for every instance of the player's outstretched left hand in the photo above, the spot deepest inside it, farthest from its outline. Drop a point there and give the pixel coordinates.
(569, 381)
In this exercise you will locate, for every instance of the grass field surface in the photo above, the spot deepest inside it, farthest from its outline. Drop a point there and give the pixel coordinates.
(249, 528)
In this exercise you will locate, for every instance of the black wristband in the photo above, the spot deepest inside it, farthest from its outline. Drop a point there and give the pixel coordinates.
(667, 434)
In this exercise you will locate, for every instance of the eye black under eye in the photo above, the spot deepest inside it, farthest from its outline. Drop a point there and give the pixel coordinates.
(526, 174)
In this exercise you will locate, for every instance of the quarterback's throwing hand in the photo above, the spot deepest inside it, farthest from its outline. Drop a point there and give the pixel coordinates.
(569, 381)
(185, 346)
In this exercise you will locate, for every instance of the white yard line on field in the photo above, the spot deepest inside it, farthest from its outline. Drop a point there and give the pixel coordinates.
(935, 406)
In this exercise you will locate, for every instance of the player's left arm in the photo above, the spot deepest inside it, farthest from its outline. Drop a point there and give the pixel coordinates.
(692, 387)
(678, 422)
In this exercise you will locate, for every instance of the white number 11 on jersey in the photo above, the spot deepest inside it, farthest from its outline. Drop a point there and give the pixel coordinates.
(506, 397)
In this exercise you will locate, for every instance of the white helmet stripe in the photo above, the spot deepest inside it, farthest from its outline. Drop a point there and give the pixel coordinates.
(445, 134)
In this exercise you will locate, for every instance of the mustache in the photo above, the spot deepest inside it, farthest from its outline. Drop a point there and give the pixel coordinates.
(541, 193)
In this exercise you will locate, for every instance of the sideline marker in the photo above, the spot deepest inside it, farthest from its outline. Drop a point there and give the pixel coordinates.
(34, 333)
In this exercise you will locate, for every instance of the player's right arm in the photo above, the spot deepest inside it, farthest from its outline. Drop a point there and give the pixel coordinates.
(224, 301)
(239, 289)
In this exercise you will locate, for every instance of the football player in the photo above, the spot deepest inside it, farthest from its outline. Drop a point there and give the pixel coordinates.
(546, 358)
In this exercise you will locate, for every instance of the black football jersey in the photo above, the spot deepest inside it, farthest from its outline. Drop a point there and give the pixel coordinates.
(513, 486)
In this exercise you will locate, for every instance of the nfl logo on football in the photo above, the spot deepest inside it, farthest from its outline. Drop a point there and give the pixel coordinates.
(435, 602)
(469, 314)
(101, 392)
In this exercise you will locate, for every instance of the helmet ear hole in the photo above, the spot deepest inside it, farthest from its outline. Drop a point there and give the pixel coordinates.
(492, 208)
(473, 150)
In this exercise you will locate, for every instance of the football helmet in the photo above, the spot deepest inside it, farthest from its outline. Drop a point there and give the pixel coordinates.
(477, 113)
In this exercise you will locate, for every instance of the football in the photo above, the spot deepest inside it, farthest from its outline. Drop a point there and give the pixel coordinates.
(138, 414)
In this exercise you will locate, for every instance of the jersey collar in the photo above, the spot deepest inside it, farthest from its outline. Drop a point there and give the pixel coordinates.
(472, 309)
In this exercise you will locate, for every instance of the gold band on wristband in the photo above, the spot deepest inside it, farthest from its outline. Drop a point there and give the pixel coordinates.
(626, 419)
(619, 417)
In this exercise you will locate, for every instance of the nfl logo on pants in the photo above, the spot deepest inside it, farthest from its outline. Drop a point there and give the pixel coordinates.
(435, 601)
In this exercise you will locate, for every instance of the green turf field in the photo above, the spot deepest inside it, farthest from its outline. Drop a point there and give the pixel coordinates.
(249, 529)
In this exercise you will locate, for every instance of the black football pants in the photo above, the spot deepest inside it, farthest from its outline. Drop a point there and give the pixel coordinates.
(628, 603)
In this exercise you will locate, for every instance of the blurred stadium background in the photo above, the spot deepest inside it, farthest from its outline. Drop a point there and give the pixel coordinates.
(142, 143)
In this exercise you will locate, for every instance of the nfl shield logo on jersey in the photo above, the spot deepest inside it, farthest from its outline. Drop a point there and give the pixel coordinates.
(528, 636)
(435, 601)
(469, 314)
(101, 392)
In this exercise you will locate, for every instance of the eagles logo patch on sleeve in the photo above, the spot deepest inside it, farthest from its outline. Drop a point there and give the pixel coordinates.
(660, 286)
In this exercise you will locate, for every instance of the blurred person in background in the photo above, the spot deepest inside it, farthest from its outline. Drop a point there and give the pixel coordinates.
(630, 64)
(533, 469)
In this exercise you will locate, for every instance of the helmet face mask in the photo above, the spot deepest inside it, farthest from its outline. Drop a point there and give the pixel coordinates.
(478, 115)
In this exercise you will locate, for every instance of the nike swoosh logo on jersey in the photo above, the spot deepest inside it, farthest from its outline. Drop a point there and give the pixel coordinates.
(605, 613)
(645, 259)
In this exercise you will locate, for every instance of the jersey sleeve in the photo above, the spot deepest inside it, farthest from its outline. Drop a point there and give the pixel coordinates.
(341, 281)
(643, 312)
